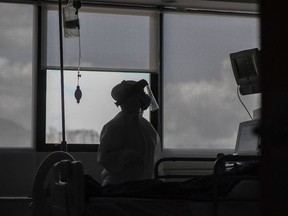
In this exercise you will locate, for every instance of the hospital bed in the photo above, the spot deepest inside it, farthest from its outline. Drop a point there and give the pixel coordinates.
(59, 189)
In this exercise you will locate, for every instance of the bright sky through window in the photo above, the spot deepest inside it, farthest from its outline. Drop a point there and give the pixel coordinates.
(85, 120)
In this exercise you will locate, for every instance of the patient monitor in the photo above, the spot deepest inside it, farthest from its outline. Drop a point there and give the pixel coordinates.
(248, 139)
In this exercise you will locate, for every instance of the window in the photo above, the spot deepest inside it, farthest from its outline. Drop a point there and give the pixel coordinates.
(85, 120)
(16, 58)
(200, 105)
(114, 45)
(201, 108)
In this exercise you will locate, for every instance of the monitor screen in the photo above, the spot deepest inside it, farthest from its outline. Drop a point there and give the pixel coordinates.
(248, 140)
(245, 67)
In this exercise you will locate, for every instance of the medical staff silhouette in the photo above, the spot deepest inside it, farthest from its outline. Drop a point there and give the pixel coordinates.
(129, 144)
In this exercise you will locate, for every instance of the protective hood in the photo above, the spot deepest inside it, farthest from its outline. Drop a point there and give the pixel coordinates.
(128, 88)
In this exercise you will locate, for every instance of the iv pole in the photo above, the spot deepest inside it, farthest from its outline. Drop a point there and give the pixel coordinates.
(63, 142)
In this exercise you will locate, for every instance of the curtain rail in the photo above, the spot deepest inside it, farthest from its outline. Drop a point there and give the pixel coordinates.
(161, 8)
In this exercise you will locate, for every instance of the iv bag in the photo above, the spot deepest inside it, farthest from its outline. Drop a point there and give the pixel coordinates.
(71, 21)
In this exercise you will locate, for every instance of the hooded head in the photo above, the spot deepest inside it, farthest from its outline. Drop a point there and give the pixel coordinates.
(131, 93)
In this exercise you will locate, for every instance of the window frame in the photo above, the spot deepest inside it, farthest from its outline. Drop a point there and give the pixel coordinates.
(156, 85)
(190, 152)
(33, 81)
(41, 86)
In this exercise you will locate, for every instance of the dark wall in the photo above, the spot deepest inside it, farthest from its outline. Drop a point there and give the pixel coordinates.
(15, 207)
(274, 32)
(17, 171)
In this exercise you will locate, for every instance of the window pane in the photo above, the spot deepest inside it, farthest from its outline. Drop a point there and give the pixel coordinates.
(201, 108)
(110, 38)
(16, 42)
(85, 120)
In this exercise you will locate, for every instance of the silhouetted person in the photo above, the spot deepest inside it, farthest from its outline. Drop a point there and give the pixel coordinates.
(129, 145)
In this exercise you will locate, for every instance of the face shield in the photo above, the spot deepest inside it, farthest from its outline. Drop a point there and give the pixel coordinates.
(153, 104)
(143, 84)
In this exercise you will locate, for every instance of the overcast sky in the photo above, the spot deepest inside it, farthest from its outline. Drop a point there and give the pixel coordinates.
(203, 105)
(15, 74)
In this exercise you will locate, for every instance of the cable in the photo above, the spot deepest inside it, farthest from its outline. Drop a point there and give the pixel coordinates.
(79, 61)
(78, 92)
(243, 103)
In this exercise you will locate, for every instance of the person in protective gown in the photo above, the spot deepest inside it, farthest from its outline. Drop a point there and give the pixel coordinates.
(129, 144)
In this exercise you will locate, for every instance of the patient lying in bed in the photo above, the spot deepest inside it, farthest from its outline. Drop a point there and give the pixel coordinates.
(197, 188)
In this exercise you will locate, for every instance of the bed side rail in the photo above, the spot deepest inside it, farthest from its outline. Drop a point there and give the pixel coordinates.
(220, 166)
(67, 190)
(176, 159)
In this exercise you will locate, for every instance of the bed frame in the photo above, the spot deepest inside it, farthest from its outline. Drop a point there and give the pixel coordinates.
(220, 166)
(64, 194)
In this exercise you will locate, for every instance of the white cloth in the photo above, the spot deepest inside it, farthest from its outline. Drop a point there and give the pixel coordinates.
(129, 147)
